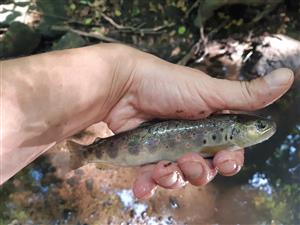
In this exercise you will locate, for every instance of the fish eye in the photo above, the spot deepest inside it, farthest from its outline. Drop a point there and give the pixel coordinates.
(261, 125)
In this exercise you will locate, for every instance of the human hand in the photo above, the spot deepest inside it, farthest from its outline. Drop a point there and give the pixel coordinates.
(148, 87)
(51, 96)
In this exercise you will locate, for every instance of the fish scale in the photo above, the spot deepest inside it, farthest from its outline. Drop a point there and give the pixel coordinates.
(168, 140)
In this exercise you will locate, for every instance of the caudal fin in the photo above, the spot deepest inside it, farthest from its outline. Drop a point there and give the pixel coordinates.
(76, 155)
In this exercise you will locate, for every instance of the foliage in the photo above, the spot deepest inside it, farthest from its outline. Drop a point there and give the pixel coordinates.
(169, 24)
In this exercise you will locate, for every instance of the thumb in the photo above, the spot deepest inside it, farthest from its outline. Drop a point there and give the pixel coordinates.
(248, 95)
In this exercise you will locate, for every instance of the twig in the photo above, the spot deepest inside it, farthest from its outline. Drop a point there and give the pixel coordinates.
(135, 29)
(116, 25)
(200, 45)
(156, 29)
(184, 60)
(196, 3)
(262, 14)
(85, 34)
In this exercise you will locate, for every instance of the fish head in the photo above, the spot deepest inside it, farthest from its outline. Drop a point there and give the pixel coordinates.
(250, 130)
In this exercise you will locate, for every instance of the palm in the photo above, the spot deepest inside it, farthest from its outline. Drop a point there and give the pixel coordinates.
(165, 97)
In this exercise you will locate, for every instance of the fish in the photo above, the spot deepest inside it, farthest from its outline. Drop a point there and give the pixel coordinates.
(168, 140)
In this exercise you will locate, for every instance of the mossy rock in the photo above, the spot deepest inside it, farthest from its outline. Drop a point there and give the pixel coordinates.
(69, 40)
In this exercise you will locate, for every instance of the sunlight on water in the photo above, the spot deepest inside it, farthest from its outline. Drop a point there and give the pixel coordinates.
(127, 199)
(261, 182)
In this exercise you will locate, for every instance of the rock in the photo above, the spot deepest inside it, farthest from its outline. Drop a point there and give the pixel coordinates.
(19, 40)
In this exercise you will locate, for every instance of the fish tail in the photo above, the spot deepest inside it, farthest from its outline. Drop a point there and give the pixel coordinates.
(76, 155)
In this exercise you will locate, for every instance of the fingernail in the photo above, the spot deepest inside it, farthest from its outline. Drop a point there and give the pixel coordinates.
(228, 167)
(168, 180)
(192, 170)
(279, 77)
(147, 194)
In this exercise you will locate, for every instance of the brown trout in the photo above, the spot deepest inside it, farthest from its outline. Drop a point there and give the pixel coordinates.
(168, 140)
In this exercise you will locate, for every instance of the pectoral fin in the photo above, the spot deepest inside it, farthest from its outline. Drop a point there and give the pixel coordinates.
(209, 151)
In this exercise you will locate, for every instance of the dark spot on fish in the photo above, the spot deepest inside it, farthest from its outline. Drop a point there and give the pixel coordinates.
(204, 141)
(226, 137)
(171, 142)
(151, 145)
(235, 132)
(177, 138)
(168, 164)
(79, 172)
(230, 137)
(201, 112)
(133, 149)
(88, 151)
(134, 145)
(99, 153)
(73, 181)
(214, 137)
(222, 129)
(179, 111)
(112, 150)
(89, 184)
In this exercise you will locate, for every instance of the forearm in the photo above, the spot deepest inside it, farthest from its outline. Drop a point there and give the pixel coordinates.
(48, 97)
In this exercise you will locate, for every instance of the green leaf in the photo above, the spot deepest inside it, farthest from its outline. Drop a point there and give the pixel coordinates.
(118, 12)
(73, 7)
(181, 30)
(88, 21)
(135, 11)
(69, 40)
